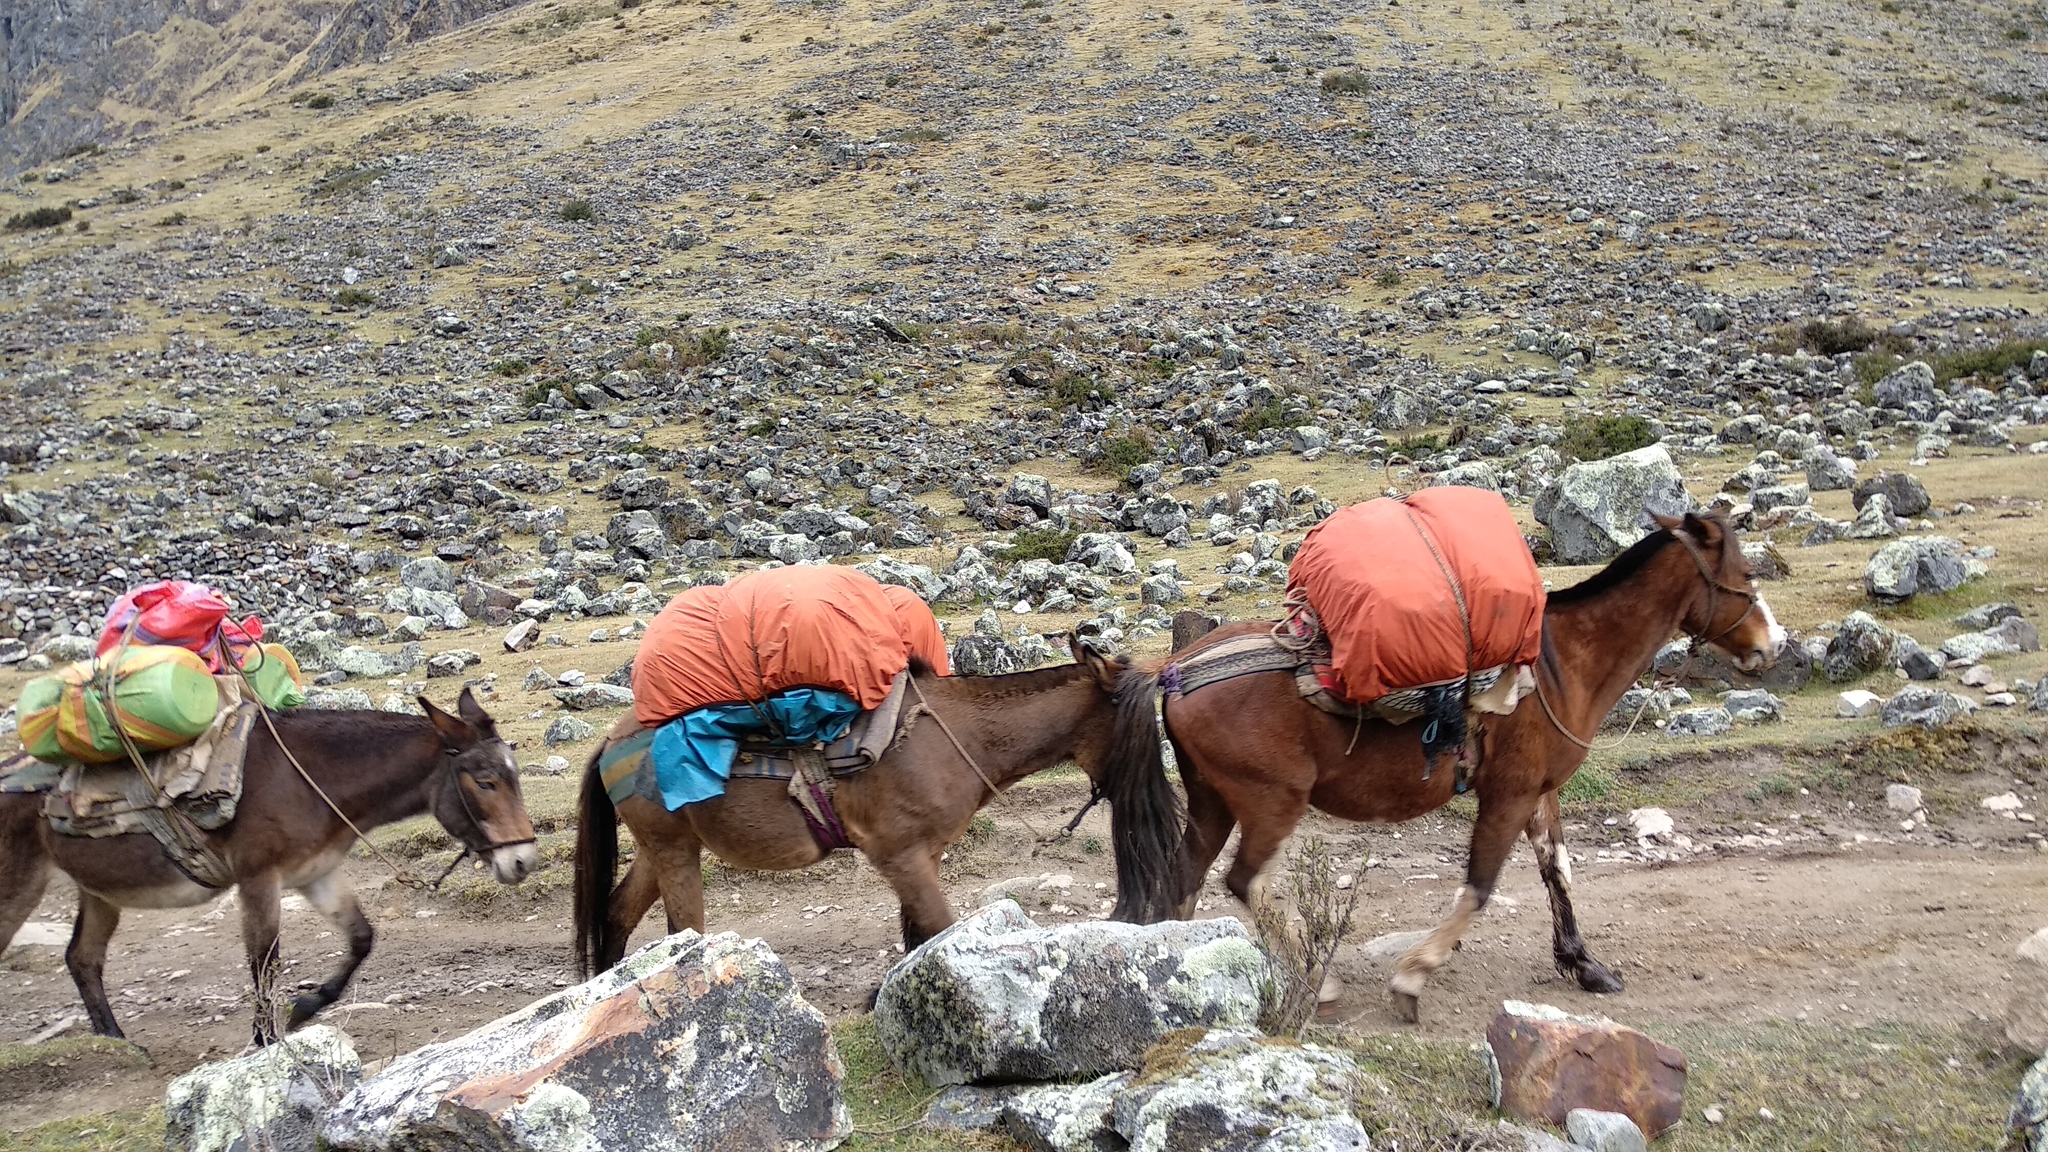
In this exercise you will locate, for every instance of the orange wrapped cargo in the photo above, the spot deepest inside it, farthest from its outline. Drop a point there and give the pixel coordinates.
(802, 626)
(1383, 598)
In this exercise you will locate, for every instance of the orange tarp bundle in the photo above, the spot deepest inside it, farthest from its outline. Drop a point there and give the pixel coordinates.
(765, 632)
(1389, 609)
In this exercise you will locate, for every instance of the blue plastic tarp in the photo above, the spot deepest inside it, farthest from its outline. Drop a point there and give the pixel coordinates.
(693, 754)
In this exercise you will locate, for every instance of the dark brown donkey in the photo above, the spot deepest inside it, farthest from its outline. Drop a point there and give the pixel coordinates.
(1251, 751)
(376, 767)
(902, 812)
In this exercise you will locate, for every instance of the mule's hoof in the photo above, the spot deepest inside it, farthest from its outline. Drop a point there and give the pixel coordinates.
(304, 1008)
(1407, 1007)
(1594, 977)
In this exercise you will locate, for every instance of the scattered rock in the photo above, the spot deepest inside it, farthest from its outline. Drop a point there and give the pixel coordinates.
(1237, 1090)
(1604, 1131)
(1600, 507)
(1651, 824)
(997, 997)
(274, 1099)
(690, 1043)
(1699, 722)
(2026, 1011)
(1901, 490)
(567, 730)
(1915, 564)
(1860, 646)
(1926, 707)
(522, 635)
(2028, 1121)
(1858, 704)
(1544, 1063)
(1902, 798)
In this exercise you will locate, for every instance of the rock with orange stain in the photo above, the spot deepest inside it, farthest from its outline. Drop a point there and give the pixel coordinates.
(692, 1044)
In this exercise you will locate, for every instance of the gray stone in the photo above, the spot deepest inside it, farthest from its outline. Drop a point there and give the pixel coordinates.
(1033, 492)
(1474, 474)
(1604, 1131)
(1753, 706)
(1827, 472)
(1874, 521)
(1699, 722)
(2028, 1121)
(273, 1099)
(2008, 637)
(1600, 507)
(567, 730)
(1860, 646)
(66, 648)
(2038, 702)
(1161, 589)
(1232, 1091)
(522, 635)
(1909, 384)
(1908, 497)
(997, 997)
(1916, 662)
(2026, 1009)
(587, 696)
(1902, 798)
(1914, 564)
(1779, 496)
(374, 665)
(1066, 1117)
(1858, 704)
(339, 700)
(690, 1043)
(1985, 615)
(1926, 707)
(428, 574)
(928, 585)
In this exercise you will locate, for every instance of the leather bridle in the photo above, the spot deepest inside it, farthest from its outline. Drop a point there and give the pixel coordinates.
(1714, 589)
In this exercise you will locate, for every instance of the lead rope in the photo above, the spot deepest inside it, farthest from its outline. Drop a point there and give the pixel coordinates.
(924, 706)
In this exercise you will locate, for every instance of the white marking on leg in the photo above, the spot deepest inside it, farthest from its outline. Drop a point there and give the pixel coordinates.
(1563, 856)
(1419, 962)
(326, 894)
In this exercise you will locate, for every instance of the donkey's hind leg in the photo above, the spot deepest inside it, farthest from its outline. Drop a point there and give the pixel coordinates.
(1546, 836)
(336, 902)
(23, 861)
(1209, 825)
(261, 911)
(87, 959)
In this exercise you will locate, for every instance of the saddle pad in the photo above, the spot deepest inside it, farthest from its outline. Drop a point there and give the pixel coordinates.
(1230, 659)
(26, 775)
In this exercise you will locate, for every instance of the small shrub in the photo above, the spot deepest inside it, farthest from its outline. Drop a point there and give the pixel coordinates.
(1823, 337)
(174, 220)
(262, 148)
(916, 135)
(1040, 544)
(320, 101)
(1298, 956)
(353, 297)
(1389, 277)
(1272, 415)
(891, 81)
(84, 226)
(1078, 390)
(2016, 34)
(38, 218)
(1598, 437)
(1346, 83)
(339, 181)
(512, 366)
(697, 349)
(1415, 447)
(1036, 205)
(1984, 362)
(1120, 454)
(577, 210)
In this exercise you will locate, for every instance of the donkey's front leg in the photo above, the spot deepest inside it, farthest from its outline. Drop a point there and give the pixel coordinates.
(1501, 819)
(337, 902)
(1546, 836)
(260, 898)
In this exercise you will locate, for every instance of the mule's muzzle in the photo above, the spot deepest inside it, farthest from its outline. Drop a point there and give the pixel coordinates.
(514, 862)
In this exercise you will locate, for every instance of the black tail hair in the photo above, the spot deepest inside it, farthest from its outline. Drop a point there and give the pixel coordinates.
(1144, 811)
(597, 865)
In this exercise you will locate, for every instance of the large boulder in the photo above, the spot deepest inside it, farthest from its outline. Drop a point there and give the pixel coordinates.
(1600, 507)
(1827, 472)
(2028, 1122)
(1544, 1063)
(995, 997)
(691, 1043)
(1912, 565)
(1909, 384)
(2008, 637)
(1908, 497)
(273, 1099)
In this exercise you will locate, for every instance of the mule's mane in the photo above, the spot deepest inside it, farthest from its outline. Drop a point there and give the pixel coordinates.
(1010, 683)
(358, 731)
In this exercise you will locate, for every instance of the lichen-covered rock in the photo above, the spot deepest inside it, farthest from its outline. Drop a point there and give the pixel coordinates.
(2028, 1122)
(1066, 1117)
(1241, 1091)
(995, 997)
(1859, 647)
(1543, 1063)
(1600, 507)
(1711, 721)
(1753, 706)
(272, 1100)
(1926, 707)
(1915, 564)
(2009, 636)
(692, 1043)
(2026, 1010)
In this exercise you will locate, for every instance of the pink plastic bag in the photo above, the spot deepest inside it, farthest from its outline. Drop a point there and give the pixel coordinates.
(173, 612)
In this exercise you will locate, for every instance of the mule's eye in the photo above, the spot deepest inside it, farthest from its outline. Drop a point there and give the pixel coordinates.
(487, 785)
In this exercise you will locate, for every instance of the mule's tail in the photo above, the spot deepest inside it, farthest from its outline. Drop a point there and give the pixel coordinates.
(1144, 811)
(597, 865)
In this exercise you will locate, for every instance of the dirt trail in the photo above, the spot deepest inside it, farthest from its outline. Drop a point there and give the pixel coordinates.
(1837, 935)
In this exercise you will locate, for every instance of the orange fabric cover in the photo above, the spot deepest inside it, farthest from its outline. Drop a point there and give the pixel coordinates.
(802, 626)
(1390, 614)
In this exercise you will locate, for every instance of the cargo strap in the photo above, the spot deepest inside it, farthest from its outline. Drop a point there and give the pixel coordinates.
(812, 788)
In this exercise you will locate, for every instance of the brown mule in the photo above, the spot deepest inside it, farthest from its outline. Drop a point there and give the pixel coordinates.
(377, 767)
(1253, 752)
(902, 813)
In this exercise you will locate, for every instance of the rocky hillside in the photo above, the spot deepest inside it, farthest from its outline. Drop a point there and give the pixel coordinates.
(580, 304)
(73, 75)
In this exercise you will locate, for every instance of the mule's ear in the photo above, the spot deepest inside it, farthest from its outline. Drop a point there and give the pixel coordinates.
(1667, 523)
(1703, 528)
(1075, 646)
(467, 708)
(455, 732)
(1105, 668)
